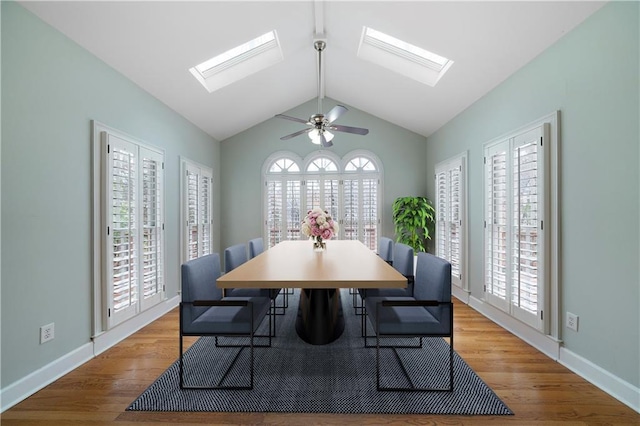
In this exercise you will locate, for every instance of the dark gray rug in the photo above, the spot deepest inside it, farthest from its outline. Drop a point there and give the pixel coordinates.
(295, 377)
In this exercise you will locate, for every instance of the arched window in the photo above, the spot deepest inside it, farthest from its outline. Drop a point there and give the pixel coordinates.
(349, 189)
(321, 183)
(361, 200)
(282, 199)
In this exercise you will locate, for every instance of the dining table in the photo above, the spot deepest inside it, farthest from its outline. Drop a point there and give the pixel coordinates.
(320, 276)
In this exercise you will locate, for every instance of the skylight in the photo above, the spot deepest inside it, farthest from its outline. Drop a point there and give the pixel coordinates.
(402, 57)
(239, 62)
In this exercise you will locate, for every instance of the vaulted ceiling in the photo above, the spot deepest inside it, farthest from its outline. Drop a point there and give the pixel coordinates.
(155, 43)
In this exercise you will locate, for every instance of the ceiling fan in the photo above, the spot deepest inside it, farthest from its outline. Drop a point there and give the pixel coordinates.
(322, 125)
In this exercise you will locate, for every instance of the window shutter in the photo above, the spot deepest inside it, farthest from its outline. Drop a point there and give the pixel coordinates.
(197, 210)
(293, 206)
(369, 214)
(330, 196)
(496, 226)
(122, 265)
(351, 211)
(526, 255)
(514, 239)
(442, 214)
(274, 220)
(152, 233)
(450, 210)
(455, 219)
(193, 240)
(205, 219)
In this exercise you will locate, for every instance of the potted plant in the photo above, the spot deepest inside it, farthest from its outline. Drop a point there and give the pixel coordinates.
(414, 220)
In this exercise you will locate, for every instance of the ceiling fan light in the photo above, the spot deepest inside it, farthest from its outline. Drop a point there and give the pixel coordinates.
(328, 135)
(314, 135)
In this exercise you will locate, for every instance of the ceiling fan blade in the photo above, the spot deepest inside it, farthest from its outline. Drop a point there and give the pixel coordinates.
(293, 135)
(288, 117)
(349, 129)
(335, 113)
(324, 142)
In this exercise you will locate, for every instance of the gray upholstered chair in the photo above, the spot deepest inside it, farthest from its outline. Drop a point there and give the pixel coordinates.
(235, 256)
(403, 258)
(429, 313)
(256, 247)
(385, 251)
(204, 312)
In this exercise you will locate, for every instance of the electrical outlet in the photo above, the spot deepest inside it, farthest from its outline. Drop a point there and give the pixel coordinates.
(572, 321)
(46, 333)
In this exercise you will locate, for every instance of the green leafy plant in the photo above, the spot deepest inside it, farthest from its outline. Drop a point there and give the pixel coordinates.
(414, 220)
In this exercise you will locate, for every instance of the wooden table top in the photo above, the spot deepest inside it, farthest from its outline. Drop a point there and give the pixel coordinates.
(294, 264)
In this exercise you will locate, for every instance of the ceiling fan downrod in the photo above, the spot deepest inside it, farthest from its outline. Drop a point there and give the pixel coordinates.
(319, 45)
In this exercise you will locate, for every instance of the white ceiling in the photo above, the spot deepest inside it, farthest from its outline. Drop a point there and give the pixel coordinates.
(155, 43)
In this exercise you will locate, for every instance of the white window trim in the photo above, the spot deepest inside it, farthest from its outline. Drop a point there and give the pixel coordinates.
(100, 315)
(464, 214)
(185, 163)
(552, 323)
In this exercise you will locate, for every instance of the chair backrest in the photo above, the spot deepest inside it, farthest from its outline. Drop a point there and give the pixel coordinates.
(385, 249)
(403, 263)
(199, 283)
(256, 246)
(433, 281)
(234, 256)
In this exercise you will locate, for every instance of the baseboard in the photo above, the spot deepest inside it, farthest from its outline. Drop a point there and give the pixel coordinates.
(105, 340)
(604, 380)
(619, 389)
(28, 385)
(460, 294)
(545, 344)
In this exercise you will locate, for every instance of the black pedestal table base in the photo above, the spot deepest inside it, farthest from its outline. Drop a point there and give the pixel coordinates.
(320, 318)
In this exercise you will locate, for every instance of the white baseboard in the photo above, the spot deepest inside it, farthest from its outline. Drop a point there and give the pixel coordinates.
(619, 389)
(545, 344)
(28, 385)
(460, 294)
(105, 340)
(604, 380)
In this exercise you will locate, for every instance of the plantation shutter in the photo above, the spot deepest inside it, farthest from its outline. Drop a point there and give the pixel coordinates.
(496, 225)
(360, 210)
(293, 206)
(370, 213)
(455, 223)
(450, 200)
(351, 209)
(442, 214)
(121, 260)
(514, 235)
(274, 210)
(284, 203)
(198, 206)
(152, 228)
(527, 261)
(322, 192)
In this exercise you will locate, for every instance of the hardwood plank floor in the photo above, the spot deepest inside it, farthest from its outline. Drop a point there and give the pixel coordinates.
(538, 390)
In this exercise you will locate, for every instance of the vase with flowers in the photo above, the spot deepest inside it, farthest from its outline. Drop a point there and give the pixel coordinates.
(319, 226)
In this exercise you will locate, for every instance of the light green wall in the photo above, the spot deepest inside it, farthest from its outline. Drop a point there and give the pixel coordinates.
(401, 152)
(51, 89)
(592, 76)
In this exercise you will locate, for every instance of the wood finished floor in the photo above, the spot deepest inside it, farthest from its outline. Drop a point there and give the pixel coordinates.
(538, 390)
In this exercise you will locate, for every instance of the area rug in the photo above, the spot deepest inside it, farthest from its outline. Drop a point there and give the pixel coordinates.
(295, 377)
